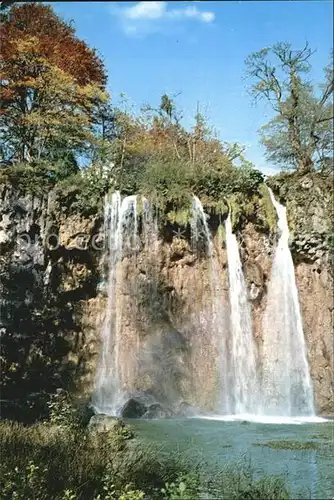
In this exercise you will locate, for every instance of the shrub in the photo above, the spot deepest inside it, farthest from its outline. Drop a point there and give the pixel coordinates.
(62, 411)
(48, 462)
(238, 482)
(81, 193)
(26, 482)
(186, 487)
(37, 179)
(167, 184)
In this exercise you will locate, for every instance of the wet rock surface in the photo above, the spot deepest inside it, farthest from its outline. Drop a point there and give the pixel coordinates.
(133, 409)
(156, 410)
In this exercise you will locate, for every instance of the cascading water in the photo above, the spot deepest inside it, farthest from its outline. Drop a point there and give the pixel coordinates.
(199, 227)
(120, 226)
(286, 382)
(242, 384)
(200, 234)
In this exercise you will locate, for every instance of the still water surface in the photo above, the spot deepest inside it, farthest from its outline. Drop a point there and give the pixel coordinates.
(221, 441)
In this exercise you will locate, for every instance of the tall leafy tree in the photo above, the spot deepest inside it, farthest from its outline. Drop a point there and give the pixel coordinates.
(51, 85)
(300, 134)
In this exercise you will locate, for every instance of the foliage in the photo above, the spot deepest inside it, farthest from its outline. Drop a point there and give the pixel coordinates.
(34, 344)
(153, 154)
(167, 185)
(28, 482)
(146, 156)
(84, 192)
(55, 108)
(62, 412)
(130, 494)
(45, 463)
(300, 135)
(238, 482)
(36, 178)
(51, 85)
(39, 177)
(180, 217)
(242, 209)
(186, 487)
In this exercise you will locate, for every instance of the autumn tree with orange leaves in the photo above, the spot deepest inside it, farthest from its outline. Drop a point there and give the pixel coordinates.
(52, 87)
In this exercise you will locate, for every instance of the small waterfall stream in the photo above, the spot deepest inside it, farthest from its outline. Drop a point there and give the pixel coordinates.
(243, 385)
(121, 228)
(199, 227)
(286, 387)
(219, 315)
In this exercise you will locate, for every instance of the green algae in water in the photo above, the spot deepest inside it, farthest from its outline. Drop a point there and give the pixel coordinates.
(290, 445)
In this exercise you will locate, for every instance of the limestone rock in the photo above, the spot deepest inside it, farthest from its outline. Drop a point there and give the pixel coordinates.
(166, 307)
(156, 410)
(105, 423)
(187, 410)
(133, 409)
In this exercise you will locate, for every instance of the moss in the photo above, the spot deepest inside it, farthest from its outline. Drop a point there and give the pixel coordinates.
(222, 207)
(214, 207)
(179, 217)
(290, 445)
(290, 211)
(242, 209)
(235, 210)
(221, 234)
(140, 207)
(267, 208)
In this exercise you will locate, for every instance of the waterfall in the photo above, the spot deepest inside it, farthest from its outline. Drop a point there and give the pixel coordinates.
(287, 387)
(120, 228)
(224, 340)
(242, 386)
(201, 237)
(199, 227)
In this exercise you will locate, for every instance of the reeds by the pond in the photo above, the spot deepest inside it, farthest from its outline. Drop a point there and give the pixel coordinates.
(47, 461)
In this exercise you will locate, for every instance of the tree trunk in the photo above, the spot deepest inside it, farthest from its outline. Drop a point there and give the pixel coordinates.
(303, 158)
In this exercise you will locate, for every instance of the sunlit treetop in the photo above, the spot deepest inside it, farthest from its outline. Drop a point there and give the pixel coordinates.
(55, 41)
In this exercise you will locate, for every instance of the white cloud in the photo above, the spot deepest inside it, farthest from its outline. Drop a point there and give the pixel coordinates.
(145, 10)
(193, 12)
(147, 17)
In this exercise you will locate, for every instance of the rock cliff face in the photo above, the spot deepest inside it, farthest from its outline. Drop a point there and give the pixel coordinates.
(53, 299)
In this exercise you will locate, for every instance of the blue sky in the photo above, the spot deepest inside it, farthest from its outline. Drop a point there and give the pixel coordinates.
(198, 49)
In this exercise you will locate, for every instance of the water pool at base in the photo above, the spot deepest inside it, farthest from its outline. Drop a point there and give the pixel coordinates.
(219, 441)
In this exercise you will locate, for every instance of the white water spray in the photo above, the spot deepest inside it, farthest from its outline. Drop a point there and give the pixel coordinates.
(243, 385)
(286, 385)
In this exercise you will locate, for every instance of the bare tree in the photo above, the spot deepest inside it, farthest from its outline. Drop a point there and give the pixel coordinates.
(299, 133)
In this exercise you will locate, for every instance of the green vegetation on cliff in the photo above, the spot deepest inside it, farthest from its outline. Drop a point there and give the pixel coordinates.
(68, 115)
